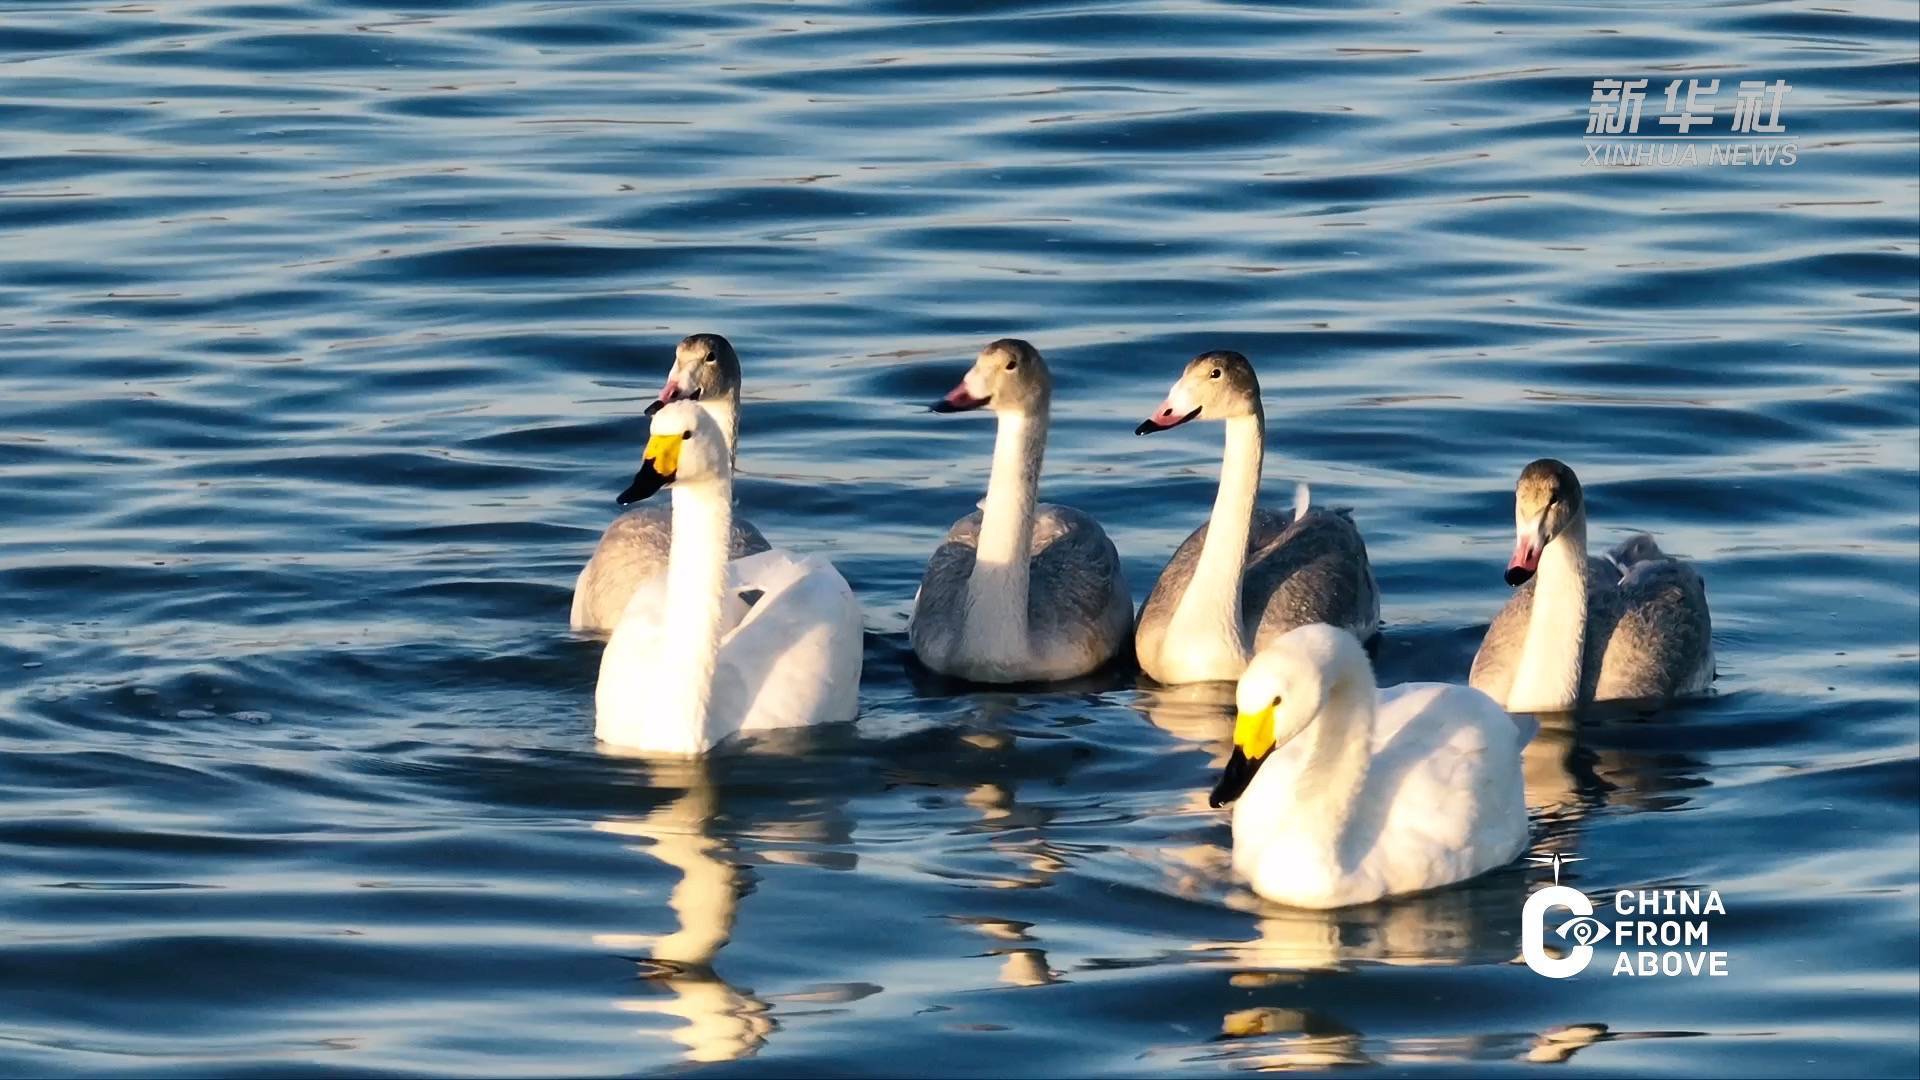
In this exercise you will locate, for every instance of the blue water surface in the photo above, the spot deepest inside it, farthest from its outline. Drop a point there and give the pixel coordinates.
(325, 327)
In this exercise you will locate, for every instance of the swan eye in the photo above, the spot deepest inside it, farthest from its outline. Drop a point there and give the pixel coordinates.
(688, 434)
(1215, 374)
(1011, 364)
(1276, 701)
(711, 358)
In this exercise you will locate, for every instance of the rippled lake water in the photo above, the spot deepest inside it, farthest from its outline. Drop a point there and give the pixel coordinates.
(324, 333)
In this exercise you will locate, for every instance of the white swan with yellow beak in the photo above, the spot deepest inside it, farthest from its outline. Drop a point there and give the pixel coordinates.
(717, 648)
(634, 549)
(1347, 794)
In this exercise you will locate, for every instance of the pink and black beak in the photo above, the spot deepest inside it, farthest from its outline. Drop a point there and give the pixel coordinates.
(1526, 557)
(1163, 418)
(959, 400)
(673, 391)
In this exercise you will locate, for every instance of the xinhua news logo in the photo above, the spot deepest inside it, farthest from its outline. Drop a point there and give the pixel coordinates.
(1660, 933)
(1686, 126)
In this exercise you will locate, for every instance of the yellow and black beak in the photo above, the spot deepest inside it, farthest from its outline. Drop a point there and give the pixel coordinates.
(1252, 742)
(657, 466)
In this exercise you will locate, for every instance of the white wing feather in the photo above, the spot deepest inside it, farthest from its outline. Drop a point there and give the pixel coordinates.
(1443, 801)
(789, 658)
(795, 656)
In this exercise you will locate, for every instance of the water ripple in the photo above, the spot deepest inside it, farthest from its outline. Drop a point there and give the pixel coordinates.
(327, 330)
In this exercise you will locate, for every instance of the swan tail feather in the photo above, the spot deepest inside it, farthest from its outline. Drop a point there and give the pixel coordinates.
(1302, 497)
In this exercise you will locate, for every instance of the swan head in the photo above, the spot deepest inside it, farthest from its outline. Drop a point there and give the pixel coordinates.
(1546, 501)
(705, 368)
(1285, 688)
(685, 447)
(1218, 385)
(1007, 376)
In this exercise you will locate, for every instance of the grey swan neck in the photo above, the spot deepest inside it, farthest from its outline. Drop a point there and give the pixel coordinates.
(725, 411)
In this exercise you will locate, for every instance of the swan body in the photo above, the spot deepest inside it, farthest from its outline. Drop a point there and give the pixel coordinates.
(1348, 794)
(634, 548)
(632, 552)
(717, 648)
(1021, 591)
(1249, 574)
(1632, 626)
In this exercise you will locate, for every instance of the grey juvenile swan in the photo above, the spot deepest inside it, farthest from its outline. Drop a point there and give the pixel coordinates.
(1633, 626)
(634, 548)
(1020, 591)
(1248, 575)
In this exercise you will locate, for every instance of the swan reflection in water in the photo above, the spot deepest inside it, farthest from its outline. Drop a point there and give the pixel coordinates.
(719, 1022)
(1021, 964)
(1016, 837)
(1290, 1039)
(1293, 1039)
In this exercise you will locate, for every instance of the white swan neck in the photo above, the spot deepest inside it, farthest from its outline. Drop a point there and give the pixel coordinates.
(696, 588)
(1334, 776)
(1548, 679)
(997, 588)
(1210, 609)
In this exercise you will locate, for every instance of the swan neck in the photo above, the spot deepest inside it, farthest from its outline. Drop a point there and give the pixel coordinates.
(997, 589)
(1550, 659)
(725, 411)
(1335, 773)
(1212, 597)
(696, 587)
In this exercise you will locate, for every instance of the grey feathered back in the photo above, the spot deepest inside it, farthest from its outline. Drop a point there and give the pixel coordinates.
(1078, 607)
(1649, 634)
(1311, 571)
(633, 549)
